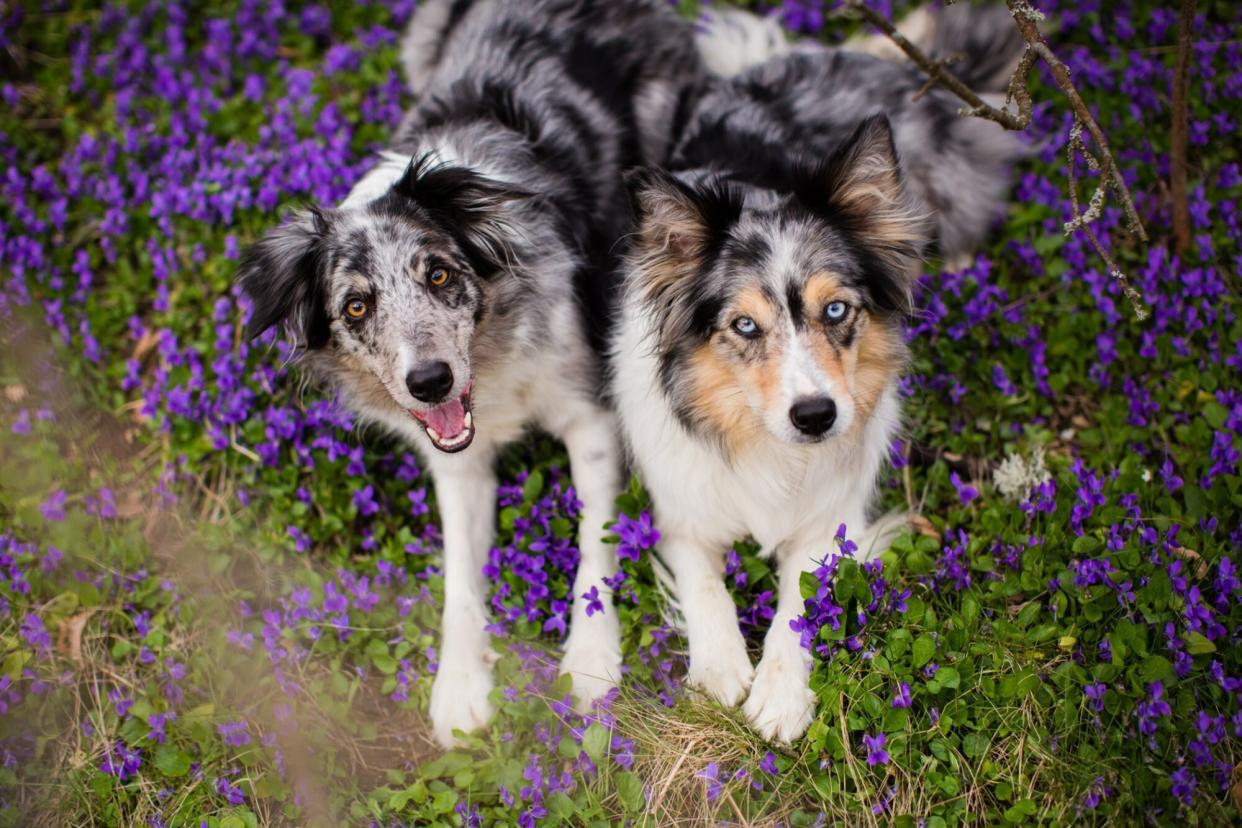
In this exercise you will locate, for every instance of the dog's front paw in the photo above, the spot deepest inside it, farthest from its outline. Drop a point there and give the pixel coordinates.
(459, 700)
(593, 658)
(722, 670)
(781, 704)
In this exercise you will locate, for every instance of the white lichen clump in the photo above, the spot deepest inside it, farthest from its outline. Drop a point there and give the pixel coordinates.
(1016, 476)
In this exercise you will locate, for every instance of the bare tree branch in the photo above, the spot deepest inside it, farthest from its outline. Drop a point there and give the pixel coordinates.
(1181, 125)
(937, 70)
(1027, 19)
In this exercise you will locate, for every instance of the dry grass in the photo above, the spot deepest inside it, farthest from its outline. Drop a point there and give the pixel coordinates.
(673, 746)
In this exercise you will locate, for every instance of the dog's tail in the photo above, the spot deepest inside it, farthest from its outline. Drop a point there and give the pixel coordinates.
(979, 41)
(880, 534)
(424, 41)
(731, 41)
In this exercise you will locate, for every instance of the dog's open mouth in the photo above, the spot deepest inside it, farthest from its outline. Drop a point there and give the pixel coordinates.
(450, 425)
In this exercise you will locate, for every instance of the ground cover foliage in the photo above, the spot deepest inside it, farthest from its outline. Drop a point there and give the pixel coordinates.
(218, 596)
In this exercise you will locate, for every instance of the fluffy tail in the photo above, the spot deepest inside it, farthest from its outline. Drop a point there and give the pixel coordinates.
(731, 41)
(980, 41)
(880, 534)
(424, 40)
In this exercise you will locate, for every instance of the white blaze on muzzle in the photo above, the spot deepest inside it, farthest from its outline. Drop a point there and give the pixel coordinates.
(801, 374)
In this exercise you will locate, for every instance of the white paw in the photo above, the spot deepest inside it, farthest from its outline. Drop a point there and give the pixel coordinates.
(781, 704)
(722, 670)
(459, 700)
(593, 658)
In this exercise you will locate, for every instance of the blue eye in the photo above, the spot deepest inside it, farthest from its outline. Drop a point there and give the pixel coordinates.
(836, 311)
(746, 327)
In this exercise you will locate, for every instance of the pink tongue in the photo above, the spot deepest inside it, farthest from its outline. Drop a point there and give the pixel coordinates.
(448, 419)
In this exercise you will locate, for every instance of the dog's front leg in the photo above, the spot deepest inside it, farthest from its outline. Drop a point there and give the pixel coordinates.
(466, 491)
(719, 663)
(593, 650)
(781, 704)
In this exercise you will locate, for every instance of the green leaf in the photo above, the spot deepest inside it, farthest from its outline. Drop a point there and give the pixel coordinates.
(630, 792)
(974, 744)
(444, 801)
(970, 609)
(1215, 414)
(14, 663)
(1157, 668)
(1086, 544)
(560, 806)
(595, 741)
(532, 488)
(1020, 810)
(898, 643)
(1198, 644)
(924, 649)
(948, 677)
(171, 761)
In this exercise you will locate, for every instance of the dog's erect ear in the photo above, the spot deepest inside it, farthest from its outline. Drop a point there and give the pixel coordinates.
(282, 275)
(860, 186)
(680, 226)
(468, 205)
(681, 229)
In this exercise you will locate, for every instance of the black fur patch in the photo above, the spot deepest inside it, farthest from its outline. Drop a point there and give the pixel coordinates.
(283, 276)
(797, 310)
(457, 200)
(748, 252)
(608, 71)
(706, 311)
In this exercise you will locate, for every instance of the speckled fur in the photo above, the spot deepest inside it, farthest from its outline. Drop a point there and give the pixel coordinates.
(528, 112)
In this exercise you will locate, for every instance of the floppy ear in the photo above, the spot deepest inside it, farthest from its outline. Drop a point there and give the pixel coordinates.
(282, 275)
(680, 230)
(860, 185)
(468, 205)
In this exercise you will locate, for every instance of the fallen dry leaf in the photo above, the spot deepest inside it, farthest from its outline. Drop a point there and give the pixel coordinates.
(15, 393)
(1192, 557)
(925, 527)
(148, 341)
(1236, 790)
(69, 635)
(130, 505)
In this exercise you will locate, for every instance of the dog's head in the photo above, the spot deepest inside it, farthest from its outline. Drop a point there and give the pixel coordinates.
(388, 294)
(779, 312)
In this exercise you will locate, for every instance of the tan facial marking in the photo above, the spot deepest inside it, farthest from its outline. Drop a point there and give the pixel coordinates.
(727, 373)
(822, 288)
(718, 398)
(879, 355)
(762, 371)
(875, 355)
(755, 303)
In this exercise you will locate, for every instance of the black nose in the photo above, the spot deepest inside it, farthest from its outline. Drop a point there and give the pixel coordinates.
(814, 415)
(430, 381)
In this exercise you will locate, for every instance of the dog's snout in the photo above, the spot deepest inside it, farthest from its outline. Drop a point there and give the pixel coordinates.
(430, 382)
(814, 415)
